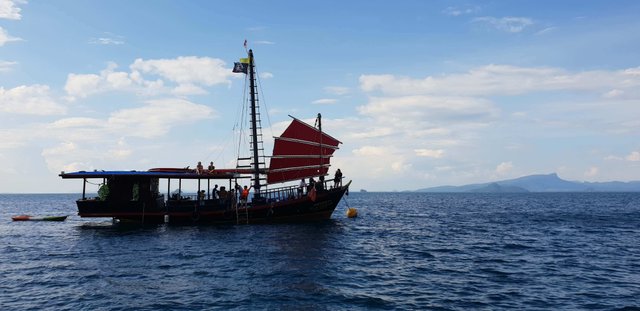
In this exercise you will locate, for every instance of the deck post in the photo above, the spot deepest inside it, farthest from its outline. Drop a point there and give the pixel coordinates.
(84, 188)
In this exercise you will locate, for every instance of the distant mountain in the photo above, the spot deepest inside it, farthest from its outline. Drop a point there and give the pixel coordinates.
(540, 183)
(497, 188)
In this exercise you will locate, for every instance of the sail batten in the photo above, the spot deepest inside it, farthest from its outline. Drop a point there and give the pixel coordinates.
(302, 151)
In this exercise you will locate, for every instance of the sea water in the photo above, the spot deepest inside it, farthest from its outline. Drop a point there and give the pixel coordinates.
(540, 251)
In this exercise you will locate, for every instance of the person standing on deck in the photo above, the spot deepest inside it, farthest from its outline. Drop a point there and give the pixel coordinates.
(337, 179)
(215, 192)
(301, 187)
(244, 195)
(201, 197)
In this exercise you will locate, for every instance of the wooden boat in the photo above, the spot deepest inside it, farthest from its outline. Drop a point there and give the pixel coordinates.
(302, 152)
(32, 218)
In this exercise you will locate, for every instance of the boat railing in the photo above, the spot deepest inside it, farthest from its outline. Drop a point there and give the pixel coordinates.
(293, 192)
(281, 193)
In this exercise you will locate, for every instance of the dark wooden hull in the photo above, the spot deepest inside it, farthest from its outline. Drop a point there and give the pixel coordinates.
(300, 209)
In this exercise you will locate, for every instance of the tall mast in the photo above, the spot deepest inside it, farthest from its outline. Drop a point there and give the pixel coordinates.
(321, 151)
(254, 127)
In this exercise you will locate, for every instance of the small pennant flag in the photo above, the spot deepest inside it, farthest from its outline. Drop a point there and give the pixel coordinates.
(245, 43)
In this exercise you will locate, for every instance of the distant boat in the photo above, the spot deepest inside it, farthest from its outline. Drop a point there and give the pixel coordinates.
(302, 152)
(363, 191)
(32, 218)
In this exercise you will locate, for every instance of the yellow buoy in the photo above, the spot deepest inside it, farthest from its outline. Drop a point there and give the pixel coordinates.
(352, 212)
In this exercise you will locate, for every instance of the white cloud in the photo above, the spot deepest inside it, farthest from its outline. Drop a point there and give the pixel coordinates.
(633, 156)
(457, 11)
(263, 42)
(189, 74)
(412, 111)
(10, 10)
(545, 31)
(6, 66)
(186, 69)
(325, 101)
(400, 166)
(504, 168)
(121, 151)
(5, 37)
(592, 172)
(505, 80)
(266, 75)
(188, 89)
(430, 153)
(29, 99)
(79, 85)
(76, 122)
(370, 151)
(157, 117)
(507, 24)
(107, 39)
(337, 90)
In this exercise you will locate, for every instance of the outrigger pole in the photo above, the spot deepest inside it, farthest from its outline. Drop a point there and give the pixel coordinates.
(254, 127)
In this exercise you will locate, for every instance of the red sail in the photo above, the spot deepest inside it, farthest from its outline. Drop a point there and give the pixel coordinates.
(302, 151)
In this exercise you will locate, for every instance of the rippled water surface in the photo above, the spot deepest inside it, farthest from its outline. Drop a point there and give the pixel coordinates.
(404, 251)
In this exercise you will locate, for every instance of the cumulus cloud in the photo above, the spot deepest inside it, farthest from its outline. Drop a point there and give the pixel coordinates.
(179, 76)
(9, 9)
(157, 117)
(507, 24)
(592, 172)
(186, 69)
(29, 99)
(504, 168)
(5, 37)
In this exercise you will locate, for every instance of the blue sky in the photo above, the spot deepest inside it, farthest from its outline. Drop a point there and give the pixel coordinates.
(421, 93)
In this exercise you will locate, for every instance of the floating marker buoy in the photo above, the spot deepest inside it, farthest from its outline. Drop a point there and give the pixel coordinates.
(352, 212)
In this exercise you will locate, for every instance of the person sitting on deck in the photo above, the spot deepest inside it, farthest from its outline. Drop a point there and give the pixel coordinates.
(211, 167)
(199, 168)
(175, 195)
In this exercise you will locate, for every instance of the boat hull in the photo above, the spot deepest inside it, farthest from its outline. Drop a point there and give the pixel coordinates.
(31, 218)
(300, 209)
